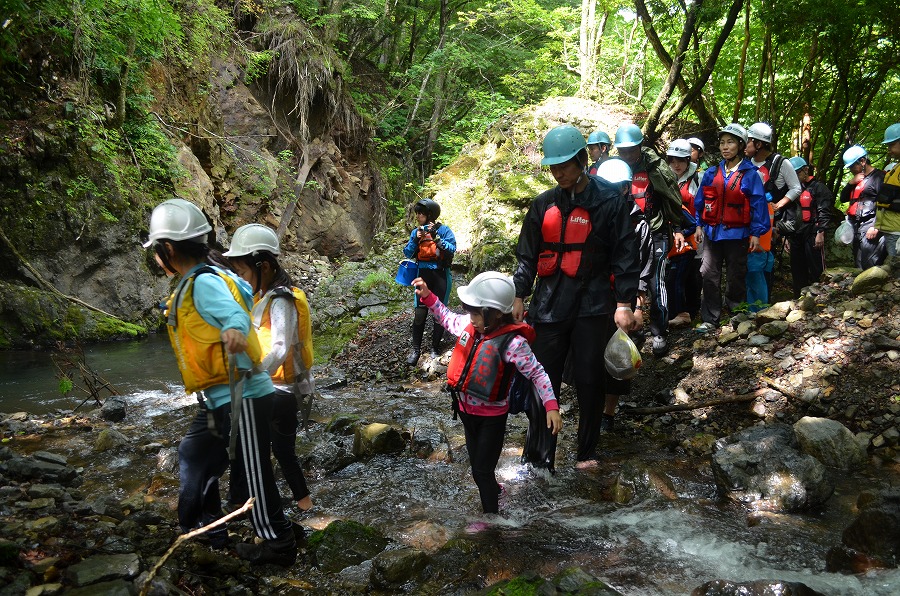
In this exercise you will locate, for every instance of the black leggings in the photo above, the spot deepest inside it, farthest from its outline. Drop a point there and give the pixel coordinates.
(437, 283)
(484, 442)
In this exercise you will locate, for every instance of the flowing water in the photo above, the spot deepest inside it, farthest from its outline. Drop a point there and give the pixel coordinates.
(670, 541)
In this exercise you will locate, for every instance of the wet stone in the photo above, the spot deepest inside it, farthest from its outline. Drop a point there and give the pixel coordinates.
(103, 568)
(395, 567)
(758, 340)
(829, 334)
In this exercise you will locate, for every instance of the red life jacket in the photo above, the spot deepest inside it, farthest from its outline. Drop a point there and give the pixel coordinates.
(806, 205)
(855, 194)
(641, 191)
(726, 204)
(563, 241)
(477, 367)
(687, 199)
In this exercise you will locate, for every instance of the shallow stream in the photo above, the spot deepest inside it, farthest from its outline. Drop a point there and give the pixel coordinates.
(667, 541)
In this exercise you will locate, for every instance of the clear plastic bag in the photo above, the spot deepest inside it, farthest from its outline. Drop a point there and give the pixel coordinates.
(844, 232)
(622, 357)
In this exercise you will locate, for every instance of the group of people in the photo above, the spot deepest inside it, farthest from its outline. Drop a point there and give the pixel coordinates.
(614, 238)
(620, 236)
(242, 337)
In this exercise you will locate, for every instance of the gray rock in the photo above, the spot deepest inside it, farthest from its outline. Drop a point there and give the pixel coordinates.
(113, 409)
(637, 481)
(103, 568)
(763, 465)
(758, 340)
(344, 543)
(118, 587)
(885, 343)
(575, 580)
(32, 468)
(52, 458)
(377, 438)
(109, 439)
(829, 334)
(392, 568)
(830, 442)
(773, 328)
(776, 312)
(875, 533)
(869, 280)
(745, 328)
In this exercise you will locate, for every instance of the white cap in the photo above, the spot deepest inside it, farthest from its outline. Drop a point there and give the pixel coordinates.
(252, 238)
(490, 289)
(177, 219)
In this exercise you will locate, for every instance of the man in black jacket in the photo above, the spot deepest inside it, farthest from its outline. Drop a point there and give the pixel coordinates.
(575, 239)
(804, 223)
(861, 195)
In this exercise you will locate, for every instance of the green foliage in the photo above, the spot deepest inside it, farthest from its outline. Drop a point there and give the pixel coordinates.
(65, 386)
(374, 280)
(258, 65)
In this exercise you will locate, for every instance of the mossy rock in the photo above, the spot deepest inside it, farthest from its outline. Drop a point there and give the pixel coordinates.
(344, 543)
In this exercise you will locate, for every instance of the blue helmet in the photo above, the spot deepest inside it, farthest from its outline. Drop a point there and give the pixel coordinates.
(598, 137)
(853, 154)
(798, 162)
(629, 135)
(562, 144)
(891, 133)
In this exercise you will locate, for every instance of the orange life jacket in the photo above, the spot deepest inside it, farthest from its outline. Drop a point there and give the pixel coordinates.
(765, 241)
(563, 241)
(641, 191)
(726, 203)
(477, 367)
(299, 357)
(690, 243)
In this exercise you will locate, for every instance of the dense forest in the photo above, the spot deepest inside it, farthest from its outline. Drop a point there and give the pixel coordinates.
(429, 75)
(327, 119)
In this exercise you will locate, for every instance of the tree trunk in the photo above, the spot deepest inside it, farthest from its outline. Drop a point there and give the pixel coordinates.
(740, 82)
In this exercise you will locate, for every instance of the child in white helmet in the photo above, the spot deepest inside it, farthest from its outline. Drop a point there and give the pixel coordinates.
(208, 319)
(281, 318)
(489, 342)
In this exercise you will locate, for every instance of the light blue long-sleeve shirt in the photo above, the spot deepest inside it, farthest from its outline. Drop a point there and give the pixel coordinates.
(216, 306)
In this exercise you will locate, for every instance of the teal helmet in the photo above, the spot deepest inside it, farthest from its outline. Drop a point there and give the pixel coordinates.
(562, 144)
(798, 162)
(854, 154)
(629, 135)
(598, 137)
(891, 133)
(615, 171)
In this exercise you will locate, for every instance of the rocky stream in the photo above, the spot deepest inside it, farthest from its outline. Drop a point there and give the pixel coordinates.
(762, 459)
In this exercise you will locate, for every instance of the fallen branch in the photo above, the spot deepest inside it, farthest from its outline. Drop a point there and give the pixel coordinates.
(731, 399)
(145, 589)
(779, 387)
(46, 284)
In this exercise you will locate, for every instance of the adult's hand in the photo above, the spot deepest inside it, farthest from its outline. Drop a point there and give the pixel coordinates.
(625, 320)
(518, 311)
(698, 235)
(819, 242)
(235, 341)
(871, 233)
(754, 244)
(679, 240)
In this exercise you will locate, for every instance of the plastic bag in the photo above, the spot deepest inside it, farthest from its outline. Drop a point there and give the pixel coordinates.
(622, 357)
(844, 232)
(521, 390)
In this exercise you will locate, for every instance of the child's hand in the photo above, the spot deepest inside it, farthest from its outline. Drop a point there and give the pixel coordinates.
(235, 341)
(422, 290)
(554, 421)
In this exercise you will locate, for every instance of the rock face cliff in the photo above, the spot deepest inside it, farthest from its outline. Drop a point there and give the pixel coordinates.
(75, 193)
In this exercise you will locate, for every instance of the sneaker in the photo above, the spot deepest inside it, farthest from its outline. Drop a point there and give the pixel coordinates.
(413, 356)
(683, 319)
(265, 554)
(659, 345)
(704, 327)
(607, 422)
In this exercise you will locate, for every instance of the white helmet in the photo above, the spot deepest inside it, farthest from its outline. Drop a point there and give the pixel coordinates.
(679, 148)
(251, 239)
(490, 289)
(761, 132)
(177, 219)
(736, 130)
(614, 171)
(697, 143)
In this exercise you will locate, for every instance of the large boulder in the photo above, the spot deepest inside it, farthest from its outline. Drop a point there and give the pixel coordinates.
(830, 442)
(377, 438)
(869, 280)
(763, 465)
(345, 543)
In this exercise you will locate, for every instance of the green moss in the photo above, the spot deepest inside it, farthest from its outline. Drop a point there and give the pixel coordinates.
(110, 328)
(329, 342)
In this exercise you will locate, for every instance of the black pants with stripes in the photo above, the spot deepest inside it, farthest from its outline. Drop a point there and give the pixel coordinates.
(203, 459)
